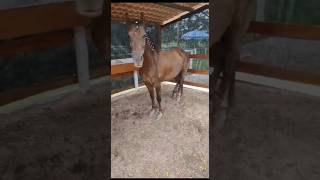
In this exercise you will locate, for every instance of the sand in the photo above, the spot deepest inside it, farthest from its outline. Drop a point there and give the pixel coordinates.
(64, 139)
(177, 145)
(270, 134)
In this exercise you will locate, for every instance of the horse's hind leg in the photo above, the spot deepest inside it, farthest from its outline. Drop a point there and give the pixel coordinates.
(175, 89)
(180, 89)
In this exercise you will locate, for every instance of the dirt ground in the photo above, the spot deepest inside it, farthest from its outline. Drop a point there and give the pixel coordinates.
(65, 139)
(271, 134)
(177, 145)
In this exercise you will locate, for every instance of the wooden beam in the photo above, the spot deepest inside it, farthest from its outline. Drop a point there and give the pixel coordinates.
(198, 71)
(12, 95)
(185, 14)
(122, 68)
(25, 21)
(30, 43)
(285, 30)
(176, 6)
(199, 56)
(119, 76)
(280, 73)
(196, 84)
(132, 20)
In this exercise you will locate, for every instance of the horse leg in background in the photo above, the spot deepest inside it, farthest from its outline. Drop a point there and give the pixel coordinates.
(151, 92)
(232, 87)
(231, 59)
(158, 91)
(232, 55)
(218, 63)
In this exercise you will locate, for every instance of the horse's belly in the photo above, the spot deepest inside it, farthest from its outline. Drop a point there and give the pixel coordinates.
(170, 71)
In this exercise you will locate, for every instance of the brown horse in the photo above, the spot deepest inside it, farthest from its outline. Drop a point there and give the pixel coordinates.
(231, 19)
(155, 67)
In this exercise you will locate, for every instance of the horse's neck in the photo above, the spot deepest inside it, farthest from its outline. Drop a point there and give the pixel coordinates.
(150, 56)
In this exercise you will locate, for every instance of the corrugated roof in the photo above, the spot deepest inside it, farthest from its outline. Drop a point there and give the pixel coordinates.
(159, 13)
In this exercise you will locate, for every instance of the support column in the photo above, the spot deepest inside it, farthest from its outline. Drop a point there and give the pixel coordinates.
(158, 36)
(82, 55)
(260, 16)
(135, 79)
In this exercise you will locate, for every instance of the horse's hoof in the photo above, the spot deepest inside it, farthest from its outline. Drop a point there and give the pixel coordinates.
(178, 99)
(159, 116)
(152, 112)
(173, 95)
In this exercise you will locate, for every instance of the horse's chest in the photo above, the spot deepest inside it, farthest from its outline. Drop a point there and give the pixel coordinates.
(150, 79)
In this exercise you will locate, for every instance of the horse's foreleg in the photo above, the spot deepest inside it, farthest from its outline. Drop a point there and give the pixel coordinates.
(151, 92)
(158, 91)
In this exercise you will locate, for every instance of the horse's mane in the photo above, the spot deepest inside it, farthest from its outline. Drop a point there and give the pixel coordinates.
(150, 43)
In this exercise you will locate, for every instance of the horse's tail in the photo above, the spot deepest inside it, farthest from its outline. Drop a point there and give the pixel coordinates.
(186, 62)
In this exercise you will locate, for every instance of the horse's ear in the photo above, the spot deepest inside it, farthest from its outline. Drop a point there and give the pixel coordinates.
(142, 18)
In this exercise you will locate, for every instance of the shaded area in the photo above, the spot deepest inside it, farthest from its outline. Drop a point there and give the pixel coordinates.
(65, 139)
(287, 53)
(42, 65)
(271, 134)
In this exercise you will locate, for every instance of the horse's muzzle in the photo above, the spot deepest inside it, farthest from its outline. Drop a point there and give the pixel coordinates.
(138, 60)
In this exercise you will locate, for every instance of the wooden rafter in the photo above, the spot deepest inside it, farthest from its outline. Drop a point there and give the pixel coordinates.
(198, 8)
(176, 6)
(156, 13)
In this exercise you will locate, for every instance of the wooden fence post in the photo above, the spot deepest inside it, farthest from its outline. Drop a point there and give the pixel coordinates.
(82, 55)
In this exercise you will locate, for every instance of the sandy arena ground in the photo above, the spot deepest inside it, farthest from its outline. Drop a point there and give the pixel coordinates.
(65, 139)
(272, 134)
(177, 145)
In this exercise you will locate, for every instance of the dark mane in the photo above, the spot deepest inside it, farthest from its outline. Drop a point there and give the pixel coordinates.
(150, 42)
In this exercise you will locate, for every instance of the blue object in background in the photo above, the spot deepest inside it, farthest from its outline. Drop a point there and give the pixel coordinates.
(195, 35)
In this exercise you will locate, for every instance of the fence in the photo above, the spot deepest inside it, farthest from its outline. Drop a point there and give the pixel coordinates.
(269, 29)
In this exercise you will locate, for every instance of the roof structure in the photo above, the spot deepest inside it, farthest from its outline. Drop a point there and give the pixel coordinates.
(158, 13)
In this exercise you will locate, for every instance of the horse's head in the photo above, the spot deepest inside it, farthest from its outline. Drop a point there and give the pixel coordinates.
(137, 34)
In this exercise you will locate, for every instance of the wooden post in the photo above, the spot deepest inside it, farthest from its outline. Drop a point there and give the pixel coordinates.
(260, 16)
(81, 48)
(135, 79)
(158, 36)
